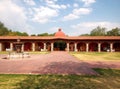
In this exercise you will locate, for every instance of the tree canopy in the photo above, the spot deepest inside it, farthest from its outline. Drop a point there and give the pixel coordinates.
(102, 31)
(114, 32)
(4, 31)
(98, 31)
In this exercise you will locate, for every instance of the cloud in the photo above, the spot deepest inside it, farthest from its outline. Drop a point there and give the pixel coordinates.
(75, 5)
(86, 27)
(52, 4)
(77, 13)
(88, 2)
(29, 2)
(44, 14)
(13, 16)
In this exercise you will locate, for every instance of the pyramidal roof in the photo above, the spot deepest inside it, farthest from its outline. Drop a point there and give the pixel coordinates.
(60, 33)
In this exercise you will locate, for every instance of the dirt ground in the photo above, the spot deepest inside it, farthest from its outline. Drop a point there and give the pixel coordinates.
(52, 63)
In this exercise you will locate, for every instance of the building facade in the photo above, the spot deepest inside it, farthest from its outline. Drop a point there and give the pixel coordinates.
(61, 42)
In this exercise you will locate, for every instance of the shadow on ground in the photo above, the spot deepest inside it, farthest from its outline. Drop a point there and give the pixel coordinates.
(68, 67)
(108, 79)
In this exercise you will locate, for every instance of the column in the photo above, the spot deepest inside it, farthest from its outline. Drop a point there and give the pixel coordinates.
(11, 46)
(52, 46)
(44, 46)
(111, 47)
(87, 47)
(0, 46)
(75, 49)
(33, 46)
(22, 49)
(68, 47)
(99, 47)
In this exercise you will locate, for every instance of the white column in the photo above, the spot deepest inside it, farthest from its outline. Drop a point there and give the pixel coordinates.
(52, 46)
(87, 47)
(44, 46)
(75, 49)
(111, 47)
(68, 47)
(0, 46)
(22, 48)
(99, 47)
(11, 46)
(33, 46)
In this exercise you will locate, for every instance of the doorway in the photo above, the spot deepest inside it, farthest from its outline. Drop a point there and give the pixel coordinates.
(60, 45)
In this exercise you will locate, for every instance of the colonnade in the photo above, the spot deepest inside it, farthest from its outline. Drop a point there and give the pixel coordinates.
(68, 46)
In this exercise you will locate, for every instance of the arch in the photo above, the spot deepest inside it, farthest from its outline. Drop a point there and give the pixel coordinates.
(81, 46)
(27, 46)
(39, 46)
(59, 45)
(5, 45)
(116, 46)
(105, 47)
(48, 46)
(71, 46)
(93, 46)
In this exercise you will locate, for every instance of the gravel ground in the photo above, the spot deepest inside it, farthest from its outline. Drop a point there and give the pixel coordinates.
(52, 63)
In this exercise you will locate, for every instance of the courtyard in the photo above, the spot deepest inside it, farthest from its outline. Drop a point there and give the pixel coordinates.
(60, 62)
(61, 70)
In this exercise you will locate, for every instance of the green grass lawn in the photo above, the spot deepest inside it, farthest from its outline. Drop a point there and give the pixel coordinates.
(108, 79)
(96, 56)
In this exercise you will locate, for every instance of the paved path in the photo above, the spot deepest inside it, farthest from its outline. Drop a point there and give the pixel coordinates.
(52, 63)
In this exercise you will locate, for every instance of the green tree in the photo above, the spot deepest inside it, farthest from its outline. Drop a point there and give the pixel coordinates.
(99, 31)
(3, 29)
(114, 32)
(33, 34)
(46, 34)
(85, 35)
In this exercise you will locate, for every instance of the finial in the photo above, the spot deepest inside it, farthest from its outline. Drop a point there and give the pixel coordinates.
(59, 29)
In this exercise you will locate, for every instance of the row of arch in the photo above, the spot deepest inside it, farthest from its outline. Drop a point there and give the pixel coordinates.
(93, 46)
(61, 46)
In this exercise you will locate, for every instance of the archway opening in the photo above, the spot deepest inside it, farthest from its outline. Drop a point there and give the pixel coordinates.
(39, 46)
(105, 47)
(28, 46)
(116, 47)
(6, 45)
(93, 47)
(60, 45)
(48, 46)
(81, 47)
(71, 46)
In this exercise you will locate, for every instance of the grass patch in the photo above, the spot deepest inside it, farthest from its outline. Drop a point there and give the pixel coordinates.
(94, 56)
(39, 52)
(108, 79)
(3, 52)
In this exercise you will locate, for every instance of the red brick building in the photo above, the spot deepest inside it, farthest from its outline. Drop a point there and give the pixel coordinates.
(61, 42)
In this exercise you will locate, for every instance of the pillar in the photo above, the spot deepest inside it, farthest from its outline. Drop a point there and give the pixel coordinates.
(33, 46)
(75, 49)
(11, 46)
(99, 47)
(52, 46)
(22, 49)
(87, 47)
(0, 46)
(68, 47)
(44, 46)
(111, 47)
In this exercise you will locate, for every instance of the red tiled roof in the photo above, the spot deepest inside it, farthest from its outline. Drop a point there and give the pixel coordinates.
(54, 37)
(60, 33)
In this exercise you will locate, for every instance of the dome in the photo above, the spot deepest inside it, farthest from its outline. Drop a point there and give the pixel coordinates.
(60, 33)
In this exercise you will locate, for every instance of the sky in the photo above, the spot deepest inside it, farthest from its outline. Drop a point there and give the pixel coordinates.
(74, 17)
